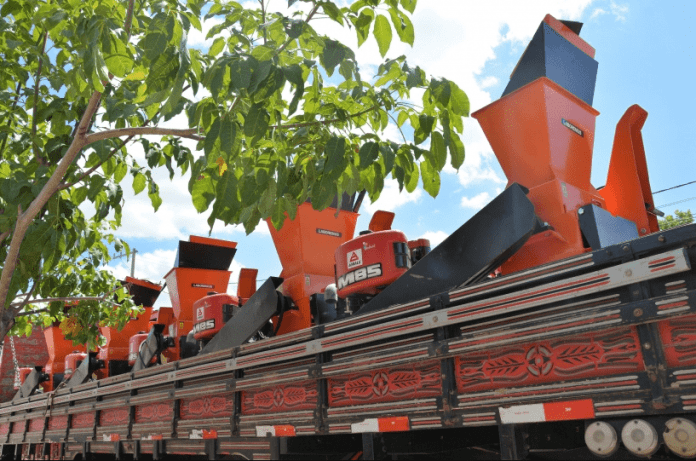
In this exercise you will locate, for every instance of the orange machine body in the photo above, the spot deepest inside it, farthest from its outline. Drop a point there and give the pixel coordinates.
(212, 312)
(370, 262)
(627, 192)
(134, 347)
(302, 245)
(72, 361)
(58, 349)
(114, 352)
(528, 130)
(189, 284)
(543, 137)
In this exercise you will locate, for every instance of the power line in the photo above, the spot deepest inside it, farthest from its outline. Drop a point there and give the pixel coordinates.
(674, 203)
(675, 187)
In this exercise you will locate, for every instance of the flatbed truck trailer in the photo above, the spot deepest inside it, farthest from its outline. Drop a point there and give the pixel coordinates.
(519, 364)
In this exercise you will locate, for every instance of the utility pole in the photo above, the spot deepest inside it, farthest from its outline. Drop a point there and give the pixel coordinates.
(127, 255)
(133, 263)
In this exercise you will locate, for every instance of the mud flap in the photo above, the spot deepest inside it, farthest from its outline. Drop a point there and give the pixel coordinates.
(478, 247)
(249, 319)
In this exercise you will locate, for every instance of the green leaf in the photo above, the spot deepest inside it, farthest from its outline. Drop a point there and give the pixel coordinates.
(362, 25)
(409, 5)
(456, 149)
(383, 34)
(154, 44)
(431, 179)
(293, 74)
(120, 172)
(459, 101)
(332, 11)
(425, 122)
(368, 153)
(403, 26)
(263, 53)
(438, 149)
(119, 64)
(441, 89)
(216, 47)
(78, 195)
(332, 55)
(202, 193)
(139, 182)
(256, 121)
(155, 199)
(401, 119)
(228, 135)
(335, 151)
(294, 28)
(211, 137)
(267, 199)
(411, 180)
(240, 73)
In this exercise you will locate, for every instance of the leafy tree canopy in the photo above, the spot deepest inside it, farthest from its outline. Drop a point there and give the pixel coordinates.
(280, 114)
(679, 218)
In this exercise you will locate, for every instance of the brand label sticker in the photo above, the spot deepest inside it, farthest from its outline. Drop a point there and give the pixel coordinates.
(354, 258)
(328, 232)
(199, 313)
(202, 285)
(572, 127)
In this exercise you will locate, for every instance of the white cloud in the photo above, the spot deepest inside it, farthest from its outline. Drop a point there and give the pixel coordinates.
(619, 11)
(391, 199)
(476, 202)
(435, 237)
(489, 81)
(149, 266)
(598, 12)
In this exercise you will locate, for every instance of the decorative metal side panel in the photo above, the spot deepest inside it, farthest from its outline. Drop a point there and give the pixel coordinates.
(583, 356)
(82, 420)
(207, 407)
(386, 385)
(280, 398)
(57, 422)
(156, 412)
(36, 425)
(113, 417)
(679, 340)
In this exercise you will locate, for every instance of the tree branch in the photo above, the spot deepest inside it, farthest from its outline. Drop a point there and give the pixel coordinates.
(311, 14)
(25, 219)
(322, 122)
(26, 298)
(191, 133)
(66, 299)
(4, 235)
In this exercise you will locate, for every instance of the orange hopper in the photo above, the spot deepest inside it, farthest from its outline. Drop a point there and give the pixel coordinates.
(302, 245)
(542, 132)
(201, 266)
(543, 137)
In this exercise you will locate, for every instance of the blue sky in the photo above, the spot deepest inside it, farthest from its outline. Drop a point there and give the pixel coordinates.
(646, 53)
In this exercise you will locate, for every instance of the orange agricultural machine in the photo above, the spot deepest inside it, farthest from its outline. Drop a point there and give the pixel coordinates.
(558, 322)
